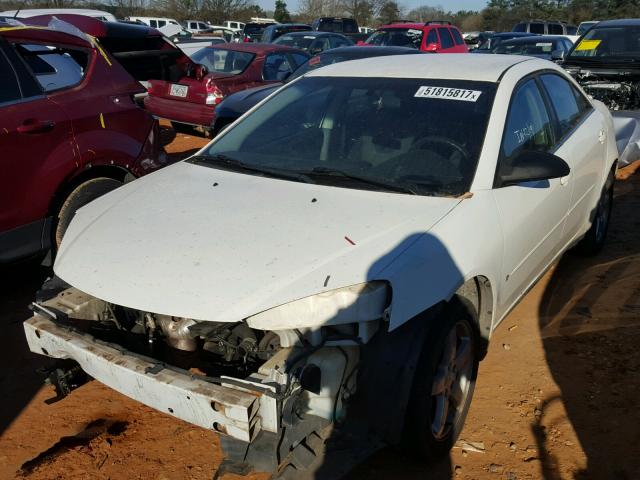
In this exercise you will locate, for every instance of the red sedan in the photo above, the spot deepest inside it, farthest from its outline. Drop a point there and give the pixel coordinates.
(219, 71)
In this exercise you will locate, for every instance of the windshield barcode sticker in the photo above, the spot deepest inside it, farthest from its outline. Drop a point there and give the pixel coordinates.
(449, 93)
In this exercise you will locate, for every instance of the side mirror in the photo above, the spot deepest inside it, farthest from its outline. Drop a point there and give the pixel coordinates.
(200, 71)
(432, 47)
(557, 55)
(532, 166)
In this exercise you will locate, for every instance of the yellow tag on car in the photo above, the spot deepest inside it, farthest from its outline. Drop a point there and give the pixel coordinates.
(588, 45)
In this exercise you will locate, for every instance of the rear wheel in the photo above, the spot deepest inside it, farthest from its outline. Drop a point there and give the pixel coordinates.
(595, 237)
(80, 196)
(444, 382)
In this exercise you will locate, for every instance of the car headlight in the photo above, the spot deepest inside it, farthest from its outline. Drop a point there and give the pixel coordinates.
(363, 302)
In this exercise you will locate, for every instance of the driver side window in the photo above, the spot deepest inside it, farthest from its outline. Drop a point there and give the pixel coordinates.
(528, 125)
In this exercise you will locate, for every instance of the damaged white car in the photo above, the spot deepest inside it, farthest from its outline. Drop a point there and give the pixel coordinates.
(323, 278)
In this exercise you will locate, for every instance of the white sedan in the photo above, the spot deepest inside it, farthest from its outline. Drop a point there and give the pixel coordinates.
(339, 256)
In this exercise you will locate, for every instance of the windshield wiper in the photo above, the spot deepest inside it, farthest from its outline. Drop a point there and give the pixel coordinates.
(222, 160)
(332, 172)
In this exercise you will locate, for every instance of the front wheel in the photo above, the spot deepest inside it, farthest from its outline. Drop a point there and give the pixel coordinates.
(444, 382)
(595, 237)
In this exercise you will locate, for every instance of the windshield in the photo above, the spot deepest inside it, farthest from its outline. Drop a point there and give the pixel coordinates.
(609, 42)
(423, 136)
(396, 37)
(532, 48)
(223, 61)
(297, 41)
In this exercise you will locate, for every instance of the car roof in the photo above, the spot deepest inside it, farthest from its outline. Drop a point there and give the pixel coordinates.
(253, 47)
(311, 33)
(534, 38)
(98, 28)
(621, 22)
(41, 34)
(462, 66)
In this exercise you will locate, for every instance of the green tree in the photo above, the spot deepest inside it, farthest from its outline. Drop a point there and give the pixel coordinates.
(281, 13)
(389, 12)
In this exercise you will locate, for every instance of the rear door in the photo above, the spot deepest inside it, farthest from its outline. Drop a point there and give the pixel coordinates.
(36, 141)
(581, 130)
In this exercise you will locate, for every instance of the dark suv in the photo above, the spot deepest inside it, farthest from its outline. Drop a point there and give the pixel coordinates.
(544, 27)
(70, 132)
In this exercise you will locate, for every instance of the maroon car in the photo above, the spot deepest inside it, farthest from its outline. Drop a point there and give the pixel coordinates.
(217, 72)
(70, 129)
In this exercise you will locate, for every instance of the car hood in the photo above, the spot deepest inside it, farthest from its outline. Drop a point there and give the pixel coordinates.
(208, 244)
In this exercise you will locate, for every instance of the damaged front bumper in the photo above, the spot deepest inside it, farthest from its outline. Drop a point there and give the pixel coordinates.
(228, 408)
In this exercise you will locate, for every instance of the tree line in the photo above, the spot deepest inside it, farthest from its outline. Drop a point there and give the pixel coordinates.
(498, 15)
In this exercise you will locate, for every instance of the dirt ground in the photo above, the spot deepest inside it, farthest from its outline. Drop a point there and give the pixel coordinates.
(558, 396)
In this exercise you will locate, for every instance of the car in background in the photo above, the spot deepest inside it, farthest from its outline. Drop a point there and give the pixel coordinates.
(606, 63)
(191, 46)
(36, 12)
(155, 22)
(314, 42)
(344, 26)
(72, 132)
(196, 26)
(217, 72)
(236, 104)
(252, 31)
(475, 39)
(234, 25)
(434, 36)
(366, 30)
(272, 32)
(545, 27)
(585, 26)
(497, 38)
(549, 47)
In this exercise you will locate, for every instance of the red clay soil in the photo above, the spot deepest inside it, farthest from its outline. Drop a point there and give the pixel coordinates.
(557, 396)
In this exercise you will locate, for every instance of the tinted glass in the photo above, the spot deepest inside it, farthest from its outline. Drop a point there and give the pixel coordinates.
(446, 40)
(223, 61)
(398, 37)
(521, 27)
(302, 42)
(528, 124)
(536, 28)
(611, 42)
(527, 47)
(9, 89)
(379, 128)
(299, 58)
(457, 37)
(340, 42)
(555, 29)
(432, 37)
(571, 30)
(564, 101)
(276, 67)
(55, 68)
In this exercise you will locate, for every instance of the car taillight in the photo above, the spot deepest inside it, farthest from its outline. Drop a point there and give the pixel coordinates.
(214, 94)
(246, 39)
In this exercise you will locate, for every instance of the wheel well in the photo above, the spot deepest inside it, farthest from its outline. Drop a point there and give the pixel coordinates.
(108, 171)
(478, 291)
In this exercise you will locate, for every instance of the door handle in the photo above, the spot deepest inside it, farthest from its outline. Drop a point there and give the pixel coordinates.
(36, 126)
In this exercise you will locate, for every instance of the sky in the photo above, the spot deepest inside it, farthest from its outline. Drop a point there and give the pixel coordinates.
(452, 5)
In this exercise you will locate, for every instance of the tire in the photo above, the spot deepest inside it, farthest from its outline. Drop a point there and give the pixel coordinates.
(80, 196)
(593, 241)
(430, 430)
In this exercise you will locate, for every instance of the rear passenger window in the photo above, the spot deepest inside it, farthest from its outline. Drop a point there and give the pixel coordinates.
(432, 37)
(457, 37)
(276, 67)
(9, 88)
(528, 124)
(536, 28)
(153, 24)
(555, 29)
(161, 23)
(446, 40)
(564, 101)
(55, 68)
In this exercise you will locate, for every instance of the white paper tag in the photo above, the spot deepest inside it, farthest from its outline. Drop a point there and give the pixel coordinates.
(447, 93)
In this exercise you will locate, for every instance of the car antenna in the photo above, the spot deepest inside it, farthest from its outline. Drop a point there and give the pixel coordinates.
(19, 8)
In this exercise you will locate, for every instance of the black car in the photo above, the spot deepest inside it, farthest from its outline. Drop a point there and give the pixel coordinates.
(252, 32)
(606, 63)
(549, 47)
(235, 105)
(272, 32)
(497, 38)
(313, 42)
